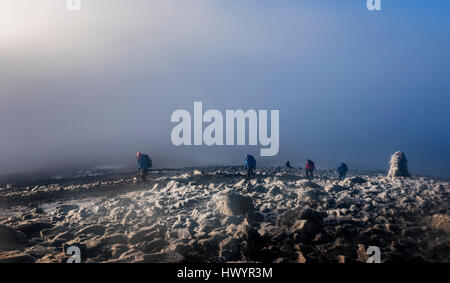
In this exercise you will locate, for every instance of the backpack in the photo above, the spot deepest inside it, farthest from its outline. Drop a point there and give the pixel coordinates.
(149, 162)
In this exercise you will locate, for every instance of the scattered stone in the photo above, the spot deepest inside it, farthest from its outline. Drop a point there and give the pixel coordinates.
(62, 209)
(156, 245)
(440, 222)
(61, 238)
(220, 217)
(289, 218)
(114, 239)
(362, 253)
(93, 229)
(145, 234)
(15, 257)
(163, 257)
(275, 191)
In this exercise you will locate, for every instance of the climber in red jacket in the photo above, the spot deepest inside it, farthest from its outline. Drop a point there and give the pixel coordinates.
(310, 167)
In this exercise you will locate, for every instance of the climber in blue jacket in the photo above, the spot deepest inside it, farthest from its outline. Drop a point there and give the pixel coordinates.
(250, 165)
(342, 171)
(144, 163)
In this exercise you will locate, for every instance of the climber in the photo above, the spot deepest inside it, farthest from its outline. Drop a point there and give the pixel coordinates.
(288, 165)
(309, 170)
(144, 164)
(250, 165)
(342, 171)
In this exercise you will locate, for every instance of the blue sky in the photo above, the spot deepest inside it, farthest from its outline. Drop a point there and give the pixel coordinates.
(95, 86)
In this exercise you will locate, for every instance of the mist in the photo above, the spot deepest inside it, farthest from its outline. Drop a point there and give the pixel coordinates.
(92, 87)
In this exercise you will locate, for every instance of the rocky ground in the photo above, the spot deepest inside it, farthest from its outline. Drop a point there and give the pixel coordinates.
(215, 215)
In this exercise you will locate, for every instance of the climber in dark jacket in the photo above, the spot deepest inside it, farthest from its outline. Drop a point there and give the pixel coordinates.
(288, 164)
(250, 165)
(342, 171)
(144, 163)
(309, 170)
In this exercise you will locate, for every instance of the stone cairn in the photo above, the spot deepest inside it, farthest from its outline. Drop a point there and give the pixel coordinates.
(399, 165)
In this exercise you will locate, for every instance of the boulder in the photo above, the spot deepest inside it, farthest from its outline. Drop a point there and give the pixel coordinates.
(289, 218)
(11, 239)
(33, 229)
(305, 230)
(230, 249)
(233, 204)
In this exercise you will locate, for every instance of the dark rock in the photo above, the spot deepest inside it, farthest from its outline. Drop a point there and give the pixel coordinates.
(15, 257)
(211, 244)
(11, 239)
(335, 189)
(61, 238)
(357, 180)
(114, 239)
(118, 249)
(306, 254)
(163, 257)
(93, 229)
(305, 230)
(230, 249)
(156, 245)
(275, 191)
(38, 211)
(145, 234)
(62, 209)
(182, 248)
(256, 216)
(345, 259)
(260, 189)
(287, 219)
(33, 229)
(282, 260)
